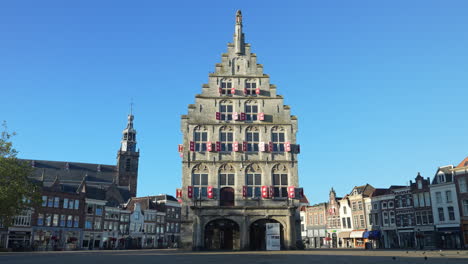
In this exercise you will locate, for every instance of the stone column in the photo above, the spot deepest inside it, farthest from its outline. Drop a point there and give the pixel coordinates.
(244, 234)
(291, 230)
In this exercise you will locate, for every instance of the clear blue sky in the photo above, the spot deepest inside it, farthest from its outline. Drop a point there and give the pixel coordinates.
(378, 86)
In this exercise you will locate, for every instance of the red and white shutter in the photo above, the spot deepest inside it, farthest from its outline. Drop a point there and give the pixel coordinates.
(178, 193)
(218, 116)
(233, 90)
(272, 192)
(261, 116)
(189, 191)
(208, 146)
(244, 191)
(245, 91)
(235, 116)
(192, 146)
(287, 146)
(180, 148)
(261, 146)
(218, 146)
(210, 192)
(235, 146)
(257, 91)
(270, 146)
(220, 90)
(242, 116)
(244, 146)
(265, 191)
(291, 192)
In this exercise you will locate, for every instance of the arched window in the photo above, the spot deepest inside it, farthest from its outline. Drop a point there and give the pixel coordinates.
(200, 137)
(225, 88)
(253, 181)
(251, 110)
(280, 180)
(226, 137)
(200, 181)
(278, 139)
(250, 86)
(226, 175)
(225, 110)
(252, 137)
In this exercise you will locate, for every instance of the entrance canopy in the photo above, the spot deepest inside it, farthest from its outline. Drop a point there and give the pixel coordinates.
(344, 234)
(356, 234)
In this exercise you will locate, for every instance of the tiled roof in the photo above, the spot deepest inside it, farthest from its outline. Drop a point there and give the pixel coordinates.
(464, 163)
(72, 172)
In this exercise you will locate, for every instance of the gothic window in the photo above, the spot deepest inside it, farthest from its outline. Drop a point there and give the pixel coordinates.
(280, 181)
(253, 180)
(278, 139)
(127, 165)
(226, 175)
(225, 110)
(226, 86)
(252, 137)
(226, 136)
(200, 181)
(251, 110)
(250, 86)
(200, 137)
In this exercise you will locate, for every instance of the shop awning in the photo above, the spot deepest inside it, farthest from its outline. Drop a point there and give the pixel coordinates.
(356, 234)
(344, 234)
(374, 234)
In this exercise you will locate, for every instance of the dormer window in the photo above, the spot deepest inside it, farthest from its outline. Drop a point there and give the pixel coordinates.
(419, 184)
(440, 177)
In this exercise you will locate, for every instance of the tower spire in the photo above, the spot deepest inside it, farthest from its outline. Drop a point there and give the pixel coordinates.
(238, 35)
(129, 134)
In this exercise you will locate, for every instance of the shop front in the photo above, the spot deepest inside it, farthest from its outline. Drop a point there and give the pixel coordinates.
(425, 237)
(344, 241)
(50, 238)
(92, 240)
(19, 239)
(316, 238)
(358, 237)
(373, 237)
(449, 238)
(406, 238)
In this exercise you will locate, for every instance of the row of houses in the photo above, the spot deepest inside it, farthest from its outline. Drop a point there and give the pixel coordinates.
(88, 217)
(425, 214)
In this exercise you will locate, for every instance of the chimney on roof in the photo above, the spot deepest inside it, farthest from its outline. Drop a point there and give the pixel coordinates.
(67, 166)
(33, 163)
(99, 168)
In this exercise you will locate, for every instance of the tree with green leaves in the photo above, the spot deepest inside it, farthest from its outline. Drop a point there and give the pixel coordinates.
(17, 191)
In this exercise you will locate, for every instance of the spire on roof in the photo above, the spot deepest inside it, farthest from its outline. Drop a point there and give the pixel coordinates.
(238, 35)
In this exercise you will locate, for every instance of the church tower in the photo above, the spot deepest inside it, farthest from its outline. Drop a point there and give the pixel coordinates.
(239, 157)
(127, 158)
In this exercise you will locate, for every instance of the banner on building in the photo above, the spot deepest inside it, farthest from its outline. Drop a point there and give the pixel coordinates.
(273, 237)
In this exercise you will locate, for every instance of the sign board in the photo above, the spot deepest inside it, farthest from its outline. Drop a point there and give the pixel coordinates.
(273, 237)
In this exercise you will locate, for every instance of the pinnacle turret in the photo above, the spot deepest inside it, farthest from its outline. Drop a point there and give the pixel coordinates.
(238, 35)
(128, 142)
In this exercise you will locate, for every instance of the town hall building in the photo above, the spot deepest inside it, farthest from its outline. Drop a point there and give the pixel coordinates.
(239, 158)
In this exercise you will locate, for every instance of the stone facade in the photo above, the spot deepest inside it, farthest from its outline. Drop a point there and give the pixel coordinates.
(239, 147)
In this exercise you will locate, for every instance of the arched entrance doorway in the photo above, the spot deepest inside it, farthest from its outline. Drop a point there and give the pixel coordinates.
(226, 196)
(222, 234)
(258, 234)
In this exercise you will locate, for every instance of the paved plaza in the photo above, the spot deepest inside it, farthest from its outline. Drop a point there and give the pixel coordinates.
(248, 257)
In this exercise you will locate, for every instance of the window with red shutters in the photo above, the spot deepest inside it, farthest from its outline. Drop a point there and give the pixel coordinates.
(250, 86)
(252, 137)
(225, 87)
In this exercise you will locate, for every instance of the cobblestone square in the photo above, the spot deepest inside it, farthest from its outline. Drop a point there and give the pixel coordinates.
(250, 257)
